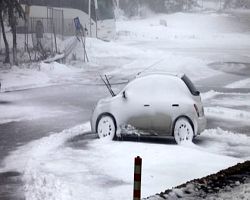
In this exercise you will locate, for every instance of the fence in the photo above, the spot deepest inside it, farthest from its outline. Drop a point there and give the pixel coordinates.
(45, 31)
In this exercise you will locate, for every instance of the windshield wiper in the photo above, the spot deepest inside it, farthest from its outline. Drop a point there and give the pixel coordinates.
(108, 85)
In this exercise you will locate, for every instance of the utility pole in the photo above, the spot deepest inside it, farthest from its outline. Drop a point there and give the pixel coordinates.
(0, 41)
(90, 28)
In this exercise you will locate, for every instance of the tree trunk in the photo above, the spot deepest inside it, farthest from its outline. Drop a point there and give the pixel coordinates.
(7, 49)
(12, 21)
(14, 45)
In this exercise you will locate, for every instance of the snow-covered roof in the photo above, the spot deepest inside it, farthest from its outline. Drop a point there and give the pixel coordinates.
(180, 75)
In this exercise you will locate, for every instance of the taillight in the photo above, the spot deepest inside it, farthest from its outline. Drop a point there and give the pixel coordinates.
(197, 110)
(202, 111)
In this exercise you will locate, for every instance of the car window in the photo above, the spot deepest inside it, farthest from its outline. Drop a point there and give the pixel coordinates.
(141, 86)
(154, 86)
(190, 86)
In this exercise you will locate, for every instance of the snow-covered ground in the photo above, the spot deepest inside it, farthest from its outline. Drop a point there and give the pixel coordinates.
(54, 169)
(104, 170)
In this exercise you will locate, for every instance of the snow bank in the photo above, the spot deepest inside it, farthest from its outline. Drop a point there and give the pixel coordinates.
(226, 143)
(21, 78)
(55, 68)
(227, 113)
(35, 75)
(19, 159)
(29, 160)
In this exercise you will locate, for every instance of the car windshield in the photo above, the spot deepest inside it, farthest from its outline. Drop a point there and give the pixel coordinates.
(190, 86)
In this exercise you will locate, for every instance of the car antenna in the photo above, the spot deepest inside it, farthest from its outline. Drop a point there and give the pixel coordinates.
(107, 84)
(150, 66)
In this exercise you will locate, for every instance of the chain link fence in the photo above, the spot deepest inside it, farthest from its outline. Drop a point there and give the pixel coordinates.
(46, 32)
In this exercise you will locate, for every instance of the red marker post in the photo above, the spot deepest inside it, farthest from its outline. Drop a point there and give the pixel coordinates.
(137, 178)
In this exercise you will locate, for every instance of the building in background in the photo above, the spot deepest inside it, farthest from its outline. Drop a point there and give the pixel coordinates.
(97, 16)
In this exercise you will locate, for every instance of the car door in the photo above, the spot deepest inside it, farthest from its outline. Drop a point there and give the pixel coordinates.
(161, 105)
(138, 104)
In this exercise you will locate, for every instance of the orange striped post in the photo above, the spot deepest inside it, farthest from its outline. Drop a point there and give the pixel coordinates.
(137, 178)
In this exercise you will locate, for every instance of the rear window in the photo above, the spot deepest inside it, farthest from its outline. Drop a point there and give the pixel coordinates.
(190, 86)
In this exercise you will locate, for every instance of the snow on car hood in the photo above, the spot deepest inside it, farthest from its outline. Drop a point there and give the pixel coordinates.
(105, 100)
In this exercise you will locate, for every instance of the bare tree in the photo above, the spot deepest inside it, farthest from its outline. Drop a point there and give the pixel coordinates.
(3, 7)
(15, 11)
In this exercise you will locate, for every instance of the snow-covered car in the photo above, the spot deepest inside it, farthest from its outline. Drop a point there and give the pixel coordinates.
(160, 104)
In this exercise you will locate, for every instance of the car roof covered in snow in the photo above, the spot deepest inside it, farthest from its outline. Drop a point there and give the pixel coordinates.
(147, 82)
(179, 75)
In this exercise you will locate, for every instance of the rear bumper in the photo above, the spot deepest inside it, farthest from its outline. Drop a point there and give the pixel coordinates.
(202, 123)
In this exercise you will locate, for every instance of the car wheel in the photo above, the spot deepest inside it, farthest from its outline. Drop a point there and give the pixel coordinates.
(106, 127)
(183, 131)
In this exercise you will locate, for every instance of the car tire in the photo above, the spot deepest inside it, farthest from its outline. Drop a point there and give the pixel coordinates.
(106, 127)
(183, 131)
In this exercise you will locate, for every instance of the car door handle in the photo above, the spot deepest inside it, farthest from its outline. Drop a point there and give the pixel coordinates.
(146, 105)
(175, 105)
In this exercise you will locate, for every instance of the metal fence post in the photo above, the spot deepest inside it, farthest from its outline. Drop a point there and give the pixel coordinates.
(137, 178)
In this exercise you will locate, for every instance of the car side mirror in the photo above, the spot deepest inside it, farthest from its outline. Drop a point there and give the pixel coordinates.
(124, 95)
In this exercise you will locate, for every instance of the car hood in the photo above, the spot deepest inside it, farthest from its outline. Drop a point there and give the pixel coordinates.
(104, 100)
